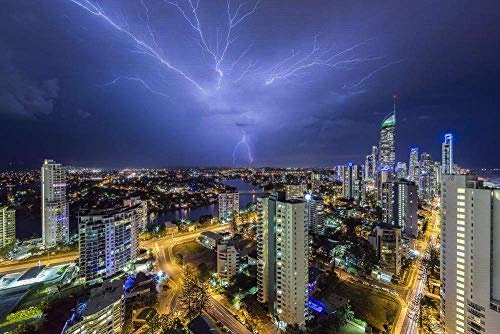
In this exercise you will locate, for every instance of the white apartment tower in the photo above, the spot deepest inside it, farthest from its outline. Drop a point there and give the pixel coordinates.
(470, 256)
(227, 260)
(7, 226)
(55, 211)
(229, 204)
(283, 258)
(447, 155)
(108, 240)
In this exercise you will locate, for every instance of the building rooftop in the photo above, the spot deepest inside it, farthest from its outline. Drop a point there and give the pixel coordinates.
(212, 235)
(103, 296)
(390, 120)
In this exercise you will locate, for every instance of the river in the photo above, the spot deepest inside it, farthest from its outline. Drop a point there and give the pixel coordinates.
(196, 213)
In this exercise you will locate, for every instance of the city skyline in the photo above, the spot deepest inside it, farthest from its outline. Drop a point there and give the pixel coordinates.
(112, 111)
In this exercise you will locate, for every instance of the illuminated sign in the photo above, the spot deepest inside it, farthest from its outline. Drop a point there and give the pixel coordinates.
(315, 305)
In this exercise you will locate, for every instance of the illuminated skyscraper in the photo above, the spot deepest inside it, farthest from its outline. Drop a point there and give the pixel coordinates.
(413, 165)
(401, 170)
(229, 204)
(447, 155)
(426, 175)
(400, 206)
(7, 226)
(470, 256)
(387, 150)
(108, 240)
(315, 214)
(352, 182)
(282, 250)
(55, 211)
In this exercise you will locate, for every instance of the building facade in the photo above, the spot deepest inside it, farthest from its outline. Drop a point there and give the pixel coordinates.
(447, 155)
(108, 241)
(283, 258)
(400, 206)
(103, 313)
(295, 191)
(7, 226)
(386, 241)
(315, 214)
(227, 260)
(55, 209)
(470, 256)
(229, 205)
(142, 211)
(387, 149)
(413, 165)
(352, 182)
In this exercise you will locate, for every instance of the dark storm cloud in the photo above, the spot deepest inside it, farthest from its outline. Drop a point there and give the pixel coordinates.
(23, 97)
(440, 58)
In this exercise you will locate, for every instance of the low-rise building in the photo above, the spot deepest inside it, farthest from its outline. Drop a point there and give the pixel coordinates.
(227, 260)
(210, 239)
(103, 313)
(171, 228)
(386, 241)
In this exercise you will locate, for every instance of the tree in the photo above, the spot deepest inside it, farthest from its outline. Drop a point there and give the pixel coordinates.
(164, 324)
(194, 296)
(345, 313)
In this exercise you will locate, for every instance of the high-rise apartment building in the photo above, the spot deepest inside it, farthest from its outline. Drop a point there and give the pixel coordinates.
(387, 148)
(7, 225)
(400, 206)
(315, 214)
(386, 241)
(108, 240)
(55, 210)
(413, 165)
(229, 205)
(470, 256)
(282, 248)
(352, 182)
(315, 182)
(401, 170)
(425, 180)
(447, 155)
(142, 211)
(227, 260)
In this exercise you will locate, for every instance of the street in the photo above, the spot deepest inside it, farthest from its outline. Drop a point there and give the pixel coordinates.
(408, 318)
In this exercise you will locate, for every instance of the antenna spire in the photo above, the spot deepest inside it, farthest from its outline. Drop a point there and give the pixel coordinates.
(394, 97)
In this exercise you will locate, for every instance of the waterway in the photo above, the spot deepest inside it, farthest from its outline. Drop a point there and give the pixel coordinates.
(213, 209)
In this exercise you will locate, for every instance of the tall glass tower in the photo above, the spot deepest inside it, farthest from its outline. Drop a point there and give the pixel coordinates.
(387, 150)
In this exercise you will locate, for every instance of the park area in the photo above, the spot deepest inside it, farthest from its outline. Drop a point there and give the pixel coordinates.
(377, 308)
(201, 258)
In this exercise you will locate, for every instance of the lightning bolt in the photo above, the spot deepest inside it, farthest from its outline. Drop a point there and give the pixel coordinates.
(141, 81)
(219, 53)
(369, 75)
(144, 47)
(243, 141)
(295, 64)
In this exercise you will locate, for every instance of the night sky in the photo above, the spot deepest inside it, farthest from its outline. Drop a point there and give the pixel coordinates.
(302, 83)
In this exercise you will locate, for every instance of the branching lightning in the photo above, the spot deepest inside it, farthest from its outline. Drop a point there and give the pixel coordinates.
(295, 64)
(369, 75)
(243, 142)
(141, 81)
(218, 54)
(143, 46)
